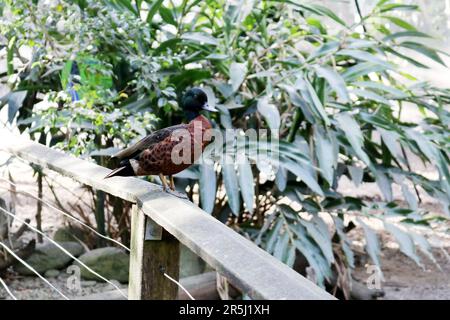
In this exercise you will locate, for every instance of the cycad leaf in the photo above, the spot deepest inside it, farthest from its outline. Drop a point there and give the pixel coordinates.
(318, 230)
(385, 185)
(269, 112)
(364, 56)
(200, 37)
(238, 72)
(402, 34)
(154, 7)
(405, 242)
(231, 184)
(325, 153)
(426, 51)
(345, 242)
(369, 95)
(281, 179)
(281, 246)
(246, 183)
(324, 49)
(15, 102)
(381, 87)
(422, 243)
(372, 244)
(321, 11)
(273, 235)
(356, 173)
(310, 95)
(400, 22)
(207, 187)
(398, 6)
(362, 69)
(391, 139)
(312, 253)
(353, 134)
(303, 174)
(335, 80)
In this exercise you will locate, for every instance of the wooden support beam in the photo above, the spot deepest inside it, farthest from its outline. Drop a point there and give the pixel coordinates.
(246, 266)
(150, 259)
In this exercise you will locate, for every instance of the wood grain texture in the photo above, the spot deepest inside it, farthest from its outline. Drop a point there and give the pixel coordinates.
(248, 268)
(149, 260)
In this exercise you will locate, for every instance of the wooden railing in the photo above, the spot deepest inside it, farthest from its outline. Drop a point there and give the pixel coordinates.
(161, 221)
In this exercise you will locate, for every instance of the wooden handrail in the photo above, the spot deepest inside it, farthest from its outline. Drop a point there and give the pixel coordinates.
(245, 265)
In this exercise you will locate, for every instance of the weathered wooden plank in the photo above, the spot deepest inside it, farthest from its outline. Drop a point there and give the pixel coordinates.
(136, 254)
(149, 260)
(80, 170)
(248, 267)
(153, 231)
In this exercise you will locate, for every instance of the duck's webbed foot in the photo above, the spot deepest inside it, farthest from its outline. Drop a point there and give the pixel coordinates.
(177, 194)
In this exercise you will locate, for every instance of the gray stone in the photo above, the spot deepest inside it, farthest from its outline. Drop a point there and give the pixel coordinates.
(111, 263)
(71, 233)
(88, 283)
(48, 256)
(52, 273)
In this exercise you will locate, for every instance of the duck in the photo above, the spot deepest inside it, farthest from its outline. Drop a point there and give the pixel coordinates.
(154, 154)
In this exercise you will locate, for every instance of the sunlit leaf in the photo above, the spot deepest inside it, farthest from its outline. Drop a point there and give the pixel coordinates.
(207, 187)
(404, 240)
(354, 135)
(238, 72)
(372, 243)
(335, 80)
(269, 112)
(246, 183)
(199, 37)
(230, 180)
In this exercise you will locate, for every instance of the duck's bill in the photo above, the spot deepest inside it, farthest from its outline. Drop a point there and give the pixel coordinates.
(207, 107)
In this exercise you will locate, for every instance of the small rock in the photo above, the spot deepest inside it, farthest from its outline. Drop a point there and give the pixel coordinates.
(109, 262)
(88, 283)
(48, 256)
(70, 234)
(52, 273)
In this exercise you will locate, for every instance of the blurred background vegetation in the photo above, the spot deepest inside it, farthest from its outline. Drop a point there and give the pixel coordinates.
(330, 78)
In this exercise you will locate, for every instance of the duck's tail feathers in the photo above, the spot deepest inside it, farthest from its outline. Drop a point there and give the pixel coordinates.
(126, 170)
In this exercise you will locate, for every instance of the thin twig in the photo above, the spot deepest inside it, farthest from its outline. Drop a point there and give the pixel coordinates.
(39, 204)
(361, 18)
(409, 169)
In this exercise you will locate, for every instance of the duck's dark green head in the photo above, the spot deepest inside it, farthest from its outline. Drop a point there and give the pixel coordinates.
(194, 101)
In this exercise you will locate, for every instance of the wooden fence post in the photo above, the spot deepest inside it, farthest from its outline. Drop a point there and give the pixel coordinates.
(153, 253)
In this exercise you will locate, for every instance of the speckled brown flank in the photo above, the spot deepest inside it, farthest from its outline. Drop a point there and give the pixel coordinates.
(158, 158)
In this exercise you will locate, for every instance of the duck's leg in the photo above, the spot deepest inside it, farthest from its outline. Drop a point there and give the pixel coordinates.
(172, 183)
(164, 181)
(172, 190)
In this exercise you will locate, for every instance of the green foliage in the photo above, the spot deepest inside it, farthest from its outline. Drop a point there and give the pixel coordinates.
(327, 93)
